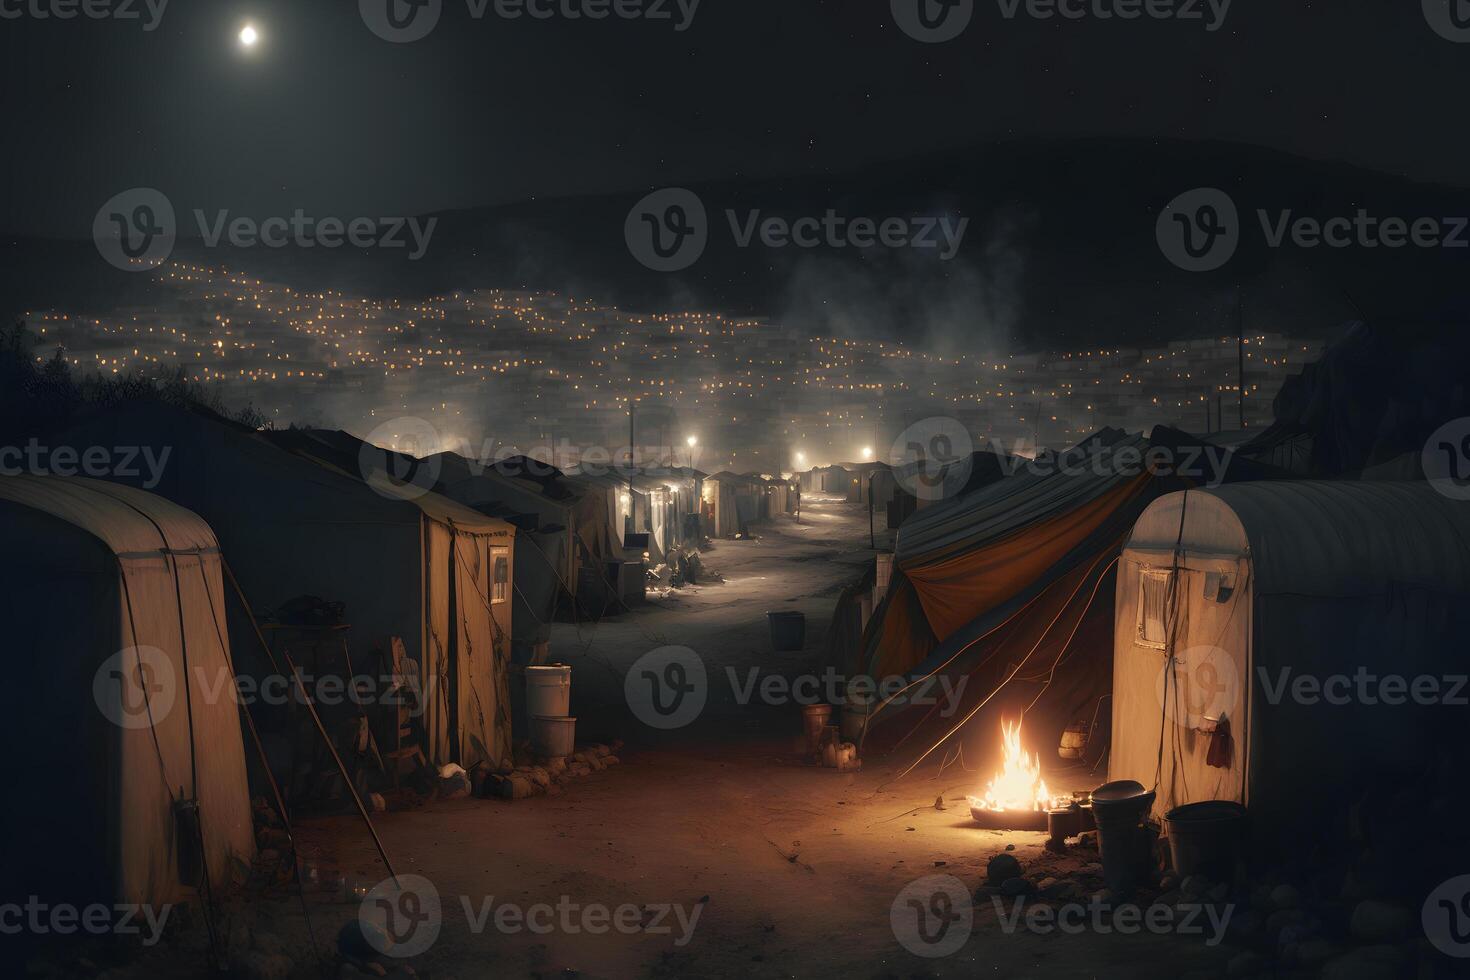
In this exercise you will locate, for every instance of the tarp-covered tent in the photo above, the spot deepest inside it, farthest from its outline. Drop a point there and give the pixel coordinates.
(115, 621)
(610, 575)
(1010, 586)
(736, 502)
(1227, 596)
(406, 562)
(545, 568)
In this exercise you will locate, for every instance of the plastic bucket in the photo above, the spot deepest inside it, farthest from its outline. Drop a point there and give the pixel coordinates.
(1119, 808)
(552, 736)
(549, 690)
(814, 718)
(788, 630)
(855, 718)
(1204, 838)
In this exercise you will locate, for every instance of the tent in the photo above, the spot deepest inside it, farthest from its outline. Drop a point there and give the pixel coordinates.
(120, 607)
(1226, 595)
(733, 503)
(1009, 587)
(292, 520)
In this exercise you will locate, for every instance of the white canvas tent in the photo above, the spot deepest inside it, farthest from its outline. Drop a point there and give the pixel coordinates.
(112, 585)
(1227, 597)
(416, 566)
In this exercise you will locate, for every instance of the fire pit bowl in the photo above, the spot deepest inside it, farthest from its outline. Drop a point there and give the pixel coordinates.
(992, 819)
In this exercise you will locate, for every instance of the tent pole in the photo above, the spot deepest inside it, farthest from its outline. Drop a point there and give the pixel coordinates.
(311, 710)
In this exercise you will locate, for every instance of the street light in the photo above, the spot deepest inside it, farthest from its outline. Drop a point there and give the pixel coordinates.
(867, 452)
(692, 441)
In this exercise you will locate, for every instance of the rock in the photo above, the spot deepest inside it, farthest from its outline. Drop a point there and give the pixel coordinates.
(1194, 885)
(1247, 964)
(1092, 868)
(1170, 898)
(1168, 881)
(1002, 868)
(1378, 922)
(1312, 953)
(1365, 963)
(1088, 838)
(357, 940)
(259, 965)
(1285, 897)
(1010, 847)
(1016, 887)
(1046, 884)
(1282, 918)
(611, 760)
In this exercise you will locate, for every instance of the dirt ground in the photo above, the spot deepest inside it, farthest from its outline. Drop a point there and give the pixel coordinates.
(780, 869)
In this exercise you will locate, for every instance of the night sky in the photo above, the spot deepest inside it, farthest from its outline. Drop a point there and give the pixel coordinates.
(326, 116)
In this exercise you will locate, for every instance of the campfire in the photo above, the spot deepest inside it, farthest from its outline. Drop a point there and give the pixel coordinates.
(1017, 798)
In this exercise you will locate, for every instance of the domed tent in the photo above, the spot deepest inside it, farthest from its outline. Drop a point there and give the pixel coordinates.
(120, 680)
(1245, 616)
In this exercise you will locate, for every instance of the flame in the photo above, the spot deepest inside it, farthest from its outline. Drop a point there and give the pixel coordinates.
(1018, 785)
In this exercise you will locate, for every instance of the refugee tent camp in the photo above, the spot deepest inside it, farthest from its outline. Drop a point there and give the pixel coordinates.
(405, 562)
(1228, 597)
(120, 608)
(1009, 587)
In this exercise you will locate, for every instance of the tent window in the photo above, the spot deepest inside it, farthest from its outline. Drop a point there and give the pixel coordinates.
(500, 580)
(1153, 604)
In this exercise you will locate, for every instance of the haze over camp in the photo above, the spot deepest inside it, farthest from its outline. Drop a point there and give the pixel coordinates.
(569, 489)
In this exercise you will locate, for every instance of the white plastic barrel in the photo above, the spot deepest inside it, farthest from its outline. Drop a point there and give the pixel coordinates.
(552, 737)
(549, 690)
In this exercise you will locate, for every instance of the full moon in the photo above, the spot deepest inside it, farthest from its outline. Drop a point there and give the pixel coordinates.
(248, 36)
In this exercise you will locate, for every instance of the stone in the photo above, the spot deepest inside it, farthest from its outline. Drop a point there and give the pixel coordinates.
(1312, 953)
(1168, 882)
(1365, 963)
(1001, 868)
(259, 965)
(1194, 885)
(1247, 964)
(1285, 897)
(1282, 918)
(1016, 887)
(1379, 922)
(1169, 898)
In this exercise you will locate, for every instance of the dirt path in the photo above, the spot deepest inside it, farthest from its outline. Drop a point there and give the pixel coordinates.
(778, 869)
